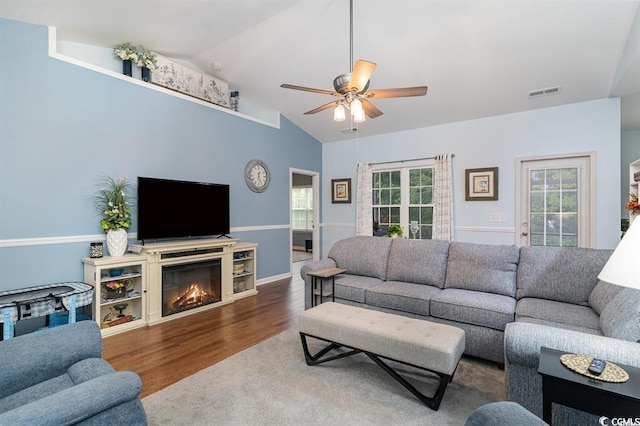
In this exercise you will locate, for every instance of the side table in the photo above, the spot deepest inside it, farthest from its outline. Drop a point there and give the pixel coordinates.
(566, 387)
(323, 274)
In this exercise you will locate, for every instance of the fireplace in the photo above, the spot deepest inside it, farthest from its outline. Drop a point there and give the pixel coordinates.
(190, 285)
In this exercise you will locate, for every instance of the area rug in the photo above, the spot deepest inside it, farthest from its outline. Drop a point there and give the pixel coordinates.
(301, 256)
(270, 384)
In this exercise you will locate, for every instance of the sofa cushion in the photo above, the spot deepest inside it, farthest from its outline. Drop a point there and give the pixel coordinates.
(557, 325)
(352, 287)
(620, 318)
(35, 392)
(418, 261)
(362, 255)
(89, 369)
(558, 313)
(564, 274)
(401, 296)
(474, 307)
(483, 268)
(602, 294)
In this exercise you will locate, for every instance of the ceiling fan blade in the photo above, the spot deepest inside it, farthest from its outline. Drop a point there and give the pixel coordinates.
(323, 107)
(360, 75)
(400, 92)
(310, 89)
(370, 109)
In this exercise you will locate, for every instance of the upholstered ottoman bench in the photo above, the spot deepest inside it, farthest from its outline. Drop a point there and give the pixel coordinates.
(423, 344)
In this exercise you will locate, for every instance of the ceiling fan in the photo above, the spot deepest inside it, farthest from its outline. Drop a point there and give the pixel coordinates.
(352, 89)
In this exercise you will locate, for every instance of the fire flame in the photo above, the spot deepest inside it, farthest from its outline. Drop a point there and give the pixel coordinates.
(194, 296)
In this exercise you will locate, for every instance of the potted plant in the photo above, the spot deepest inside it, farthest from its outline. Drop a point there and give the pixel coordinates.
(147, 60)
(114, 202)
(394, 231)
(128, 53)
(633, 205)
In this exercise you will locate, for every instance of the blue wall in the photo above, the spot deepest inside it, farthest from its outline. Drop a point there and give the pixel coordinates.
(586, 127)
(62, 126)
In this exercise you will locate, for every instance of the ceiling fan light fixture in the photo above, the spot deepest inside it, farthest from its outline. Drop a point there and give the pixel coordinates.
(339, 113)
(352, 89)
(356, 107)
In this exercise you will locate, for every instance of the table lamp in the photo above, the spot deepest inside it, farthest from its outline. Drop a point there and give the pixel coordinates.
(621, 268)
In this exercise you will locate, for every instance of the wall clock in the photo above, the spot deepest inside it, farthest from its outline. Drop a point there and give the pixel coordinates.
(257, 175)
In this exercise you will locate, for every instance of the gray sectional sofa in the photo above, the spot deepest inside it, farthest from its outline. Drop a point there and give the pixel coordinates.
(510, 301)
(479, 288)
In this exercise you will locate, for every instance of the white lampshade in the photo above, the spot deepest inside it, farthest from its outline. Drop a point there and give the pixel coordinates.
(339, 113)
(622, 267)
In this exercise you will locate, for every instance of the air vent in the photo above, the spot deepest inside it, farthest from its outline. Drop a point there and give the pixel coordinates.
(543, 92)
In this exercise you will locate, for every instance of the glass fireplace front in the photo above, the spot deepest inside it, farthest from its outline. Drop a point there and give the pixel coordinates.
(190, 285)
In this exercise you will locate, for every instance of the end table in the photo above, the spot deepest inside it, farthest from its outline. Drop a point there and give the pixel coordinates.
(323, 274)
(566, 387)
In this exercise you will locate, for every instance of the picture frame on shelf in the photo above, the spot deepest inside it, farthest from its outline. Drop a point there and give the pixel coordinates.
(175, 76)
(481, 184)
(341, 190)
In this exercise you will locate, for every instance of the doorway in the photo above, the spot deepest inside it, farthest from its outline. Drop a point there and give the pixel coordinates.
(555, 202)
(304, 215)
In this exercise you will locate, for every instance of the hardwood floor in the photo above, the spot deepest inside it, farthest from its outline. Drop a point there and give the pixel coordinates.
(165, 353)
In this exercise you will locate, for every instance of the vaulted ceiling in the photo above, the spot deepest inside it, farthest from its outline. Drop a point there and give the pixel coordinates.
(479, 58)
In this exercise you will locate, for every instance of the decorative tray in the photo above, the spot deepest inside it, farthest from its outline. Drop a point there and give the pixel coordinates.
(580, 364)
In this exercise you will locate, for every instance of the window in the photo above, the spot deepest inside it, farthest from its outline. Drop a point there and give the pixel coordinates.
(402, 196)
(302, 208)
(553, 207)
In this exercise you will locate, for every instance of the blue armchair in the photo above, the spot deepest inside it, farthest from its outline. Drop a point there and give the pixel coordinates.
(58, 377)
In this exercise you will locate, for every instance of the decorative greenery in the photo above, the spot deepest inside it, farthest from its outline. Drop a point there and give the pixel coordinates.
(633, 205)
(147, 59)
(394, 230)
(126, 52)
(113, 201)
(624, 225)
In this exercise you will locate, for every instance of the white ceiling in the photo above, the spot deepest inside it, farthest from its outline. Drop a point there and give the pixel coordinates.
(479, 58)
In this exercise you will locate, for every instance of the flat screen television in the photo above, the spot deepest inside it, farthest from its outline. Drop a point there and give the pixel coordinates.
(181, 209)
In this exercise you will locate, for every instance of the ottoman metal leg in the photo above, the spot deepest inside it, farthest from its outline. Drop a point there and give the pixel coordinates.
(432, 402)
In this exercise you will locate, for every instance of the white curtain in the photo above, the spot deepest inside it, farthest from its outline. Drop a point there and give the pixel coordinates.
(364, 219)
(443, 199)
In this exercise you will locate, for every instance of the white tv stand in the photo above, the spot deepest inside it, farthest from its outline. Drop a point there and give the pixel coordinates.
(189, 251)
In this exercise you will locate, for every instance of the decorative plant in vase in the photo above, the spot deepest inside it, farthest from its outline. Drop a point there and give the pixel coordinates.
(129, 54)
(147, 60)
(633, 205)
(113, 202)
(394, 231)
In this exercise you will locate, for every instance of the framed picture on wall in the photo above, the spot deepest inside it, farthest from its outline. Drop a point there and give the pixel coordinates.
(481, 184)
(341, 190)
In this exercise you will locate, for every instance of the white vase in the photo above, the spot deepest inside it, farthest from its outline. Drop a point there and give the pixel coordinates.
(117, 242)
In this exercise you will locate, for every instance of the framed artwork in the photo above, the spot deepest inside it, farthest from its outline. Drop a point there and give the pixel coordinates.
(481, 184)
(341, 190)
(175, 76)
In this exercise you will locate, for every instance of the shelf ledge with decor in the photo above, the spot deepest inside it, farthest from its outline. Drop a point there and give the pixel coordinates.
(94, 54)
